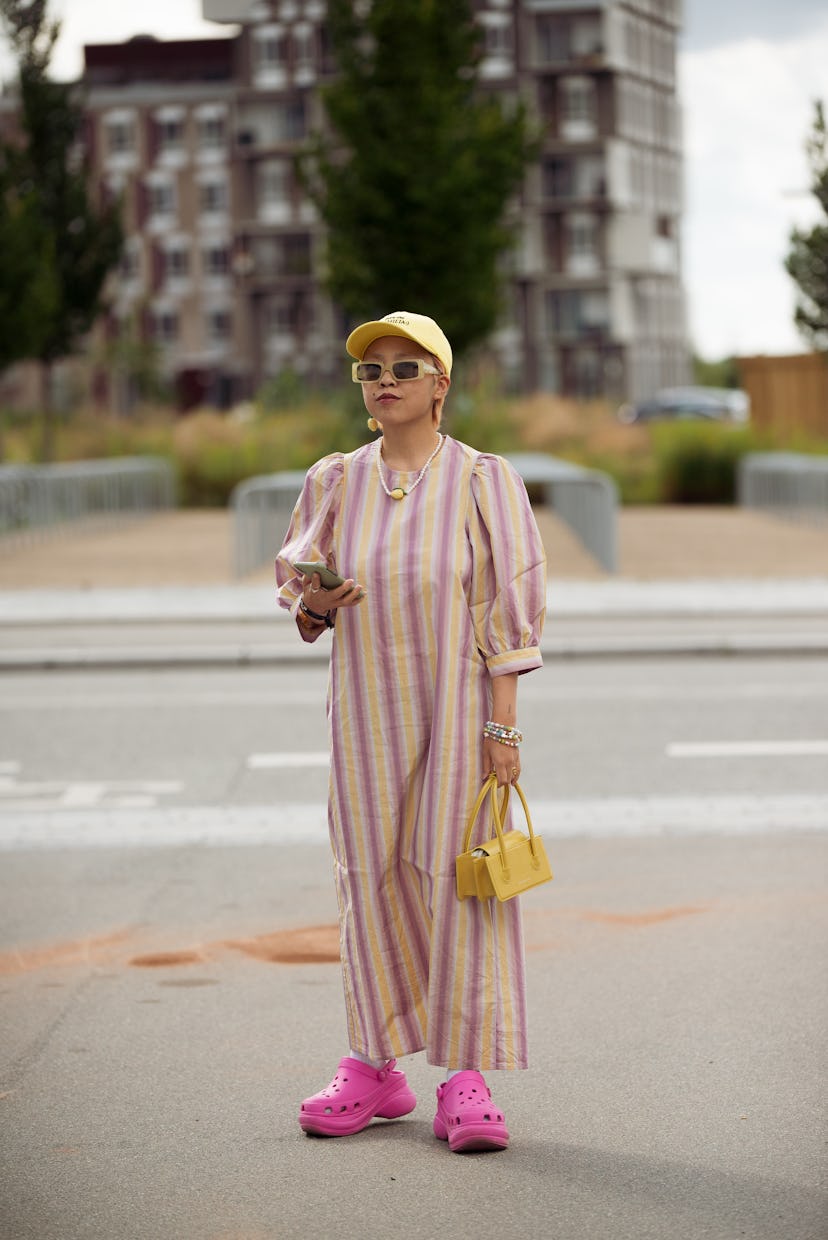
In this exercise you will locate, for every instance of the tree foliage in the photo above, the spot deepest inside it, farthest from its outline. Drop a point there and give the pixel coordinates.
(807, 261)
(414, 176)
(71, 241)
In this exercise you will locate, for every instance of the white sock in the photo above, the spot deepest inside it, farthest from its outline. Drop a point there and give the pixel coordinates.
(454, 1071)
(376, 1064)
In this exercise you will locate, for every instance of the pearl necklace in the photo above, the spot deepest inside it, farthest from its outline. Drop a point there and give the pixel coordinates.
(398, 492)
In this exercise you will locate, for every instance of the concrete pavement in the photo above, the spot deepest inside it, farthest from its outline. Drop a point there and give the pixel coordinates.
(164, 1009)
(157, 1041)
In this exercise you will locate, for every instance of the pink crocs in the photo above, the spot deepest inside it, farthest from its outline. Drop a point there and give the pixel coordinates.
(354, 1097)
(465, 1115)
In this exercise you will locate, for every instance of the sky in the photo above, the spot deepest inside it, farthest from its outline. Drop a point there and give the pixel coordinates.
(749, 73)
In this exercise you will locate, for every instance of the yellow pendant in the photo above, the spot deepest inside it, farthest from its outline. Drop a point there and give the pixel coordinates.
(397, 493)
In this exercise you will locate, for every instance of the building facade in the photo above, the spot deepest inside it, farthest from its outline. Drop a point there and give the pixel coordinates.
(224, 250)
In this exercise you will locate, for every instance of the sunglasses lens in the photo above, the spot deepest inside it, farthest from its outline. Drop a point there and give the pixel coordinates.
(368, 372)
(406, 370)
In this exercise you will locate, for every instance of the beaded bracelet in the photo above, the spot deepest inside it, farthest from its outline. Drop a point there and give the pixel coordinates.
(503, 733)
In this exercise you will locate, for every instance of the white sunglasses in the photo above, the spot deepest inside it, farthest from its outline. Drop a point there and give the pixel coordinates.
(371, 372)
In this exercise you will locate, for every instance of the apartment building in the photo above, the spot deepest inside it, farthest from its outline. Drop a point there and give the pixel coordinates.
(224, 252)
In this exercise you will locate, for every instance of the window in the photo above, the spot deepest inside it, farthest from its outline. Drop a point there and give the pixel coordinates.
(170, 133)
(305, 49)
(165, 326)
(578, 102)
(162, 198)
(273, 181)
(211, 132)
(553, 40)
(577, 176)
(578, 105)
(577, 312)
(176, 262)
(297, 255)
(558, 178)
(213, 196)
(216, 260)
(120, 137)
(271, 50)
(219, 325)
(129, 265)
(294, 120)
(498, 39)
(581, 243)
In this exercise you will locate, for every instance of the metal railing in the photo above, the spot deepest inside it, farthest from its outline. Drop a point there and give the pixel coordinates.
(262, 508)
(789, 484)
(38, 499)
(585, 499)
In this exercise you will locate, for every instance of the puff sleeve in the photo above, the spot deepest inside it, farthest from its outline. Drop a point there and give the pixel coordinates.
(508, 584)
(311, 530)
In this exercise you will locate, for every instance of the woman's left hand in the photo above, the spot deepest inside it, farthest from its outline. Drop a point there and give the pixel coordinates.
(501, 760)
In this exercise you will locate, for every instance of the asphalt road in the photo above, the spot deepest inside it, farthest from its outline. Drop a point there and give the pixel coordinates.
(602, 736)
(164, 862)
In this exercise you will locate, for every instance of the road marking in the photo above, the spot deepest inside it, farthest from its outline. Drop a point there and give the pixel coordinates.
(291, 824)
(747, 749)
(32, 795)
(278, 761)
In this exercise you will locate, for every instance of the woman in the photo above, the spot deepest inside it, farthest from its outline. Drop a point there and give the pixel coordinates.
(440, 613)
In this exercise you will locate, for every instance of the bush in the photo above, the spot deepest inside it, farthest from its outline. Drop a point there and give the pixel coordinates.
(698, 463)
(661, 463)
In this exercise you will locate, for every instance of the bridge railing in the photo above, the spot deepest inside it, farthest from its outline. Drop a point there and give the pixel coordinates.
(585, 499)
(789, 484)
(39, 499)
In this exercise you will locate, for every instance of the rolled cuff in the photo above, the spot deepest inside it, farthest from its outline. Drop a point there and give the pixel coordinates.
(528, 659)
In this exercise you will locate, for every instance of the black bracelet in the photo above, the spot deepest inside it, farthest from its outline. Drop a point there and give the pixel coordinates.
(315, 615)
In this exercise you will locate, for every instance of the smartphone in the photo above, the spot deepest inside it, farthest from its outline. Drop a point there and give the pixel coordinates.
(327, 577)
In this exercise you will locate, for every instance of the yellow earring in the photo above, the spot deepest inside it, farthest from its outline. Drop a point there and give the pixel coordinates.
(374, 425)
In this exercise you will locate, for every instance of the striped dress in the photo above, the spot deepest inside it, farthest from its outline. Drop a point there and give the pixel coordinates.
(455, 580)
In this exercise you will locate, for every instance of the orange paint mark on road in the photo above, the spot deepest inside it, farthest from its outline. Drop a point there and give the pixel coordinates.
(301, 945)
(162, 960)
(650, 917)
(78, 951)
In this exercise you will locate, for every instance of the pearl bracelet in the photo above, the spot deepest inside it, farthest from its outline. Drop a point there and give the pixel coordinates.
(502, 733)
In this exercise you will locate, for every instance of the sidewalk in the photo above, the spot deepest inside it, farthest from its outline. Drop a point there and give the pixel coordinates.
(693, 581)
(194, 548)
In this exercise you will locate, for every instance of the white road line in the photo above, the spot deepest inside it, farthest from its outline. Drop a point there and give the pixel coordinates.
(747, 749)
(16, 795)
(279, 761)
(286, 824)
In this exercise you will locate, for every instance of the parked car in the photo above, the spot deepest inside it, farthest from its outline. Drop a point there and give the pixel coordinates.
(705, 404)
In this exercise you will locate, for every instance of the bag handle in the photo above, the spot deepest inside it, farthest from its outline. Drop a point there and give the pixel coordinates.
(498, 813)
(489, 787)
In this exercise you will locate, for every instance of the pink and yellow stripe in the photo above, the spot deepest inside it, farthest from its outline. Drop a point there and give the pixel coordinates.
(455, 575)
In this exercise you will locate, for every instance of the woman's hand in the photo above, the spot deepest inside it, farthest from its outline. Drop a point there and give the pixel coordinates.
(501, 760)
(349, 594)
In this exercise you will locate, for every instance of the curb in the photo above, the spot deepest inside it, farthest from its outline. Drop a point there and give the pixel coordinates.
(804, 645)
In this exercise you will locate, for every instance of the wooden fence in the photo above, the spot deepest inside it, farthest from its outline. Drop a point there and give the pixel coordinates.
(787, 394)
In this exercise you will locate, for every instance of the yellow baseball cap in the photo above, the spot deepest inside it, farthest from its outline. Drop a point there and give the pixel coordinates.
(417, 327)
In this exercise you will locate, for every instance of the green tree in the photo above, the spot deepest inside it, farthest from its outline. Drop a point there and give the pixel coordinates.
(80, 237)
(415, 173)
(807, 261)
(28, 290)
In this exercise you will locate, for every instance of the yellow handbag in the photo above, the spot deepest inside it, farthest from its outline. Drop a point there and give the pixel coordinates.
(506, 865)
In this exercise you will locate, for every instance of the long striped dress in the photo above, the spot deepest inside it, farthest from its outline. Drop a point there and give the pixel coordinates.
(455, 580)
